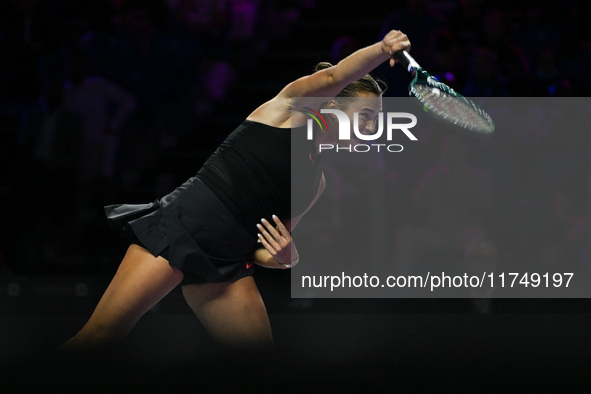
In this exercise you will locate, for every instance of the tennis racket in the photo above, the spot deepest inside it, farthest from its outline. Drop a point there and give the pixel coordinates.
(444, 103)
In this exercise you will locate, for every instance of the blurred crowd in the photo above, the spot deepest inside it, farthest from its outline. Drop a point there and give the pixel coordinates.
(97, 100)
(100, 100)
(483, 48)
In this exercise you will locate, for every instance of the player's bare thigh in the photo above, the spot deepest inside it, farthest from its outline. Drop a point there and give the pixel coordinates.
(139, 283)
(232, 312)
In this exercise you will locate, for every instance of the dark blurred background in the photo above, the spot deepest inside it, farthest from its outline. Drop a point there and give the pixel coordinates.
(106, 101)
(120, 101)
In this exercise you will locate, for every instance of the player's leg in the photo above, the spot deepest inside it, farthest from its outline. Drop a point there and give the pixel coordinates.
(232, 312)
(140, 282)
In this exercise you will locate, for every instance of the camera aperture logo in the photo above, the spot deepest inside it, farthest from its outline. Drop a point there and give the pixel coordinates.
(344, 134)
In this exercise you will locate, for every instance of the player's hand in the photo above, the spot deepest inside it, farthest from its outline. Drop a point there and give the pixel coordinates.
(277, 241)
(393, 42)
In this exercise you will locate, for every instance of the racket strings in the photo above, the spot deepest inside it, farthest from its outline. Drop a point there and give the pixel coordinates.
(443, 102)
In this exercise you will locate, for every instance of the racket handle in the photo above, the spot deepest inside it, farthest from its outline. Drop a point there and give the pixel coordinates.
(406, 60)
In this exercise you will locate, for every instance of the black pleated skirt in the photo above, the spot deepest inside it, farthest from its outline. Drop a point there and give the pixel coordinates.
(193, 230)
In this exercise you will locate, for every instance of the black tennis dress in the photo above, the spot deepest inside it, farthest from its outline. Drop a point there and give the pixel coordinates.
(207, 226)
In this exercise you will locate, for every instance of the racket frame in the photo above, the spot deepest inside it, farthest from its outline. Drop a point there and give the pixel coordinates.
(421, 76)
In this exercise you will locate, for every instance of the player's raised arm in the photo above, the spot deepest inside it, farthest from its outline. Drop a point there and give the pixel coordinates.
(329, 82)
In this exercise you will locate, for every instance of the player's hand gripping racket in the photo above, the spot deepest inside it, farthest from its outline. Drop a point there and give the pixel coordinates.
(444, 103)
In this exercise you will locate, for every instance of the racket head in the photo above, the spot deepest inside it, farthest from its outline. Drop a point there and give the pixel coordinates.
(449, 106)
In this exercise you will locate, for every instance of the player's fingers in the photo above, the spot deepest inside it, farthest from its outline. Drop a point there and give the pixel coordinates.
(394, 33)
(271, 229)
(270, 239)
(267, 246)
(407, 45)
(280, 227)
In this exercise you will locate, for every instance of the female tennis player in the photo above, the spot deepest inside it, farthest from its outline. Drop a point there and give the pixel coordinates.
(204, 234)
